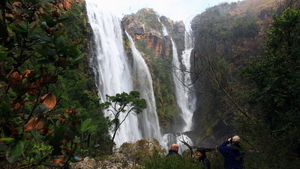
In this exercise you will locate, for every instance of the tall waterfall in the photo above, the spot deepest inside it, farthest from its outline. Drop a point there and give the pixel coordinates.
(110, 66)
(141, 73)
(114, 75)
(185, 99)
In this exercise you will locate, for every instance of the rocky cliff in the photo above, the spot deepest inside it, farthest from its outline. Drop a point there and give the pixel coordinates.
(226, 36)
(146, 29)
(147, 25)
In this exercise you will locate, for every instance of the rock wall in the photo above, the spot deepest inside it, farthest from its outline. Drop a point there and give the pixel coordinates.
(151, 31)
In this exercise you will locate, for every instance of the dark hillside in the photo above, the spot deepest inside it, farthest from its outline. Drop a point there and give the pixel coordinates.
(226, 36)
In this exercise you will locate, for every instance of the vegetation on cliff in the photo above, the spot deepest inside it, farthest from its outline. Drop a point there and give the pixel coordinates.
(261, 106)
(146, 29)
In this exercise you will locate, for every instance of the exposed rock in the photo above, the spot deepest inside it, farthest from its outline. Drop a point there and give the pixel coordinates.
(145, 26)
(128, 156)
(179, 27)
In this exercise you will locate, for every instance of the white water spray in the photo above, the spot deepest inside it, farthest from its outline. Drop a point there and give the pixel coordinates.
(185, 99)
(110, 66)
(181, 81)
(114, 75)
(142, 75)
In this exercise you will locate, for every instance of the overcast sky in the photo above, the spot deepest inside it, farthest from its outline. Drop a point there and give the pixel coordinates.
(174, 9)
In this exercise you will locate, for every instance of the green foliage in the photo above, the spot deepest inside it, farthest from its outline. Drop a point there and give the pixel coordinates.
(123, 103)
(275, 92)
(245, 27)
(38, 121)
(222, 39)
(75, 26)
(149, 17)
(158, 161)
(164, 90)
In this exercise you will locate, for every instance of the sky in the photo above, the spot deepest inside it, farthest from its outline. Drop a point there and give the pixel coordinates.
(174, 9)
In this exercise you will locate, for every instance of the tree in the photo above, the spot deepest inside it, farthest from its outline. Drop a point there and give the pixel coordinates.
(123, 103)
(275, 92)
(34, 53)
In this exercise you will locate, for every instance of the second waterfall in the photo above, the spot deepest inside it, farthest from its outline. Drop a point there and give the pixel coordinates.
(115, 73)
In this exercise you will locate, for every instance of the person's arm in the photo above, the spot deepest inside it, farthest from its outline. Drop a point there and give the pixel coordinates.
(223, 147)
(224, 144)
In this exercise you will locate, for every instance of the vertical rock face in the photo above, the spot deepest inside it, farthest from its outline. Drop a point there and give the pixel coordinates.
(145, 26)
(146, 29)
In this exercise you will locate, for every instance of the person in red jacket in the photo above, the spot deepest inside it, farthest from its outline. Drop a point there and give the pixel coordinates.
(233, 154)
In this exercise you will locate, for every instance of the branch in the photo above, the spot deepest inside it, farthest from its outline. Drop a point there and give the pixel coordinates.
(190, 147)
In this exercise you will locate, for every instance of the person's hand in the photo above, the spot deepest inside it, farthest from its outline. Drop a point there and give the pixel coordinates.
(229, 139)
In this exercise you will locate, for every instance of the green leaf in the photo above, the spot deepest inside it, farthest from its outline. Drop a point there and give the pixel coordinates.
(43, 37)
(37, 135)
(33, 1)
(44, 61)
(92, 128)
(5, 104)
(12, 159)
(58, 34)
(17, 148)
(7, 139)
(40, 109)
(84, 125)
(50, 22)
(64, 104)
(17, 30)
(62, 20)
(30, 98)
(78, 57)
(3, 55)
(51, 53)
(55, 141)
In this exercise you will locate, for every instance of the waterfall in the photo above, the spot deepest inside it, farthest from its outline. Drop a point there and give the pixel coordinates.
(114, 75)
(182, 80)
(141, 73)
(111, 69)
(186, 100)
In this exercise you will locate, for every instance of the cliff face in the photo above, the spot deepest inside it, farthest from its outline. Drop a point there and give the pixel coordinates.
(146, 29)
(145, 25)
(226, 36)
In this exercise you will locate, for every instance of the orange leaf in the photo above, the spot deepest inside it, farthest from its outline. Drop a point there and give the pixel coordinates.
(33, 26)
(17, 106)
(37, 122)
(14, 79)
(58, 160)
(27, 72)
(49, 100)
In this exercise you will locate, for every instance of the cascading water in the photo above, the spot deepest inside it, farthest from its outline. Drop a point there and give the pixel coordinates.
(141, 73)
(113, 74)
(111, 69)
(185, 99)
